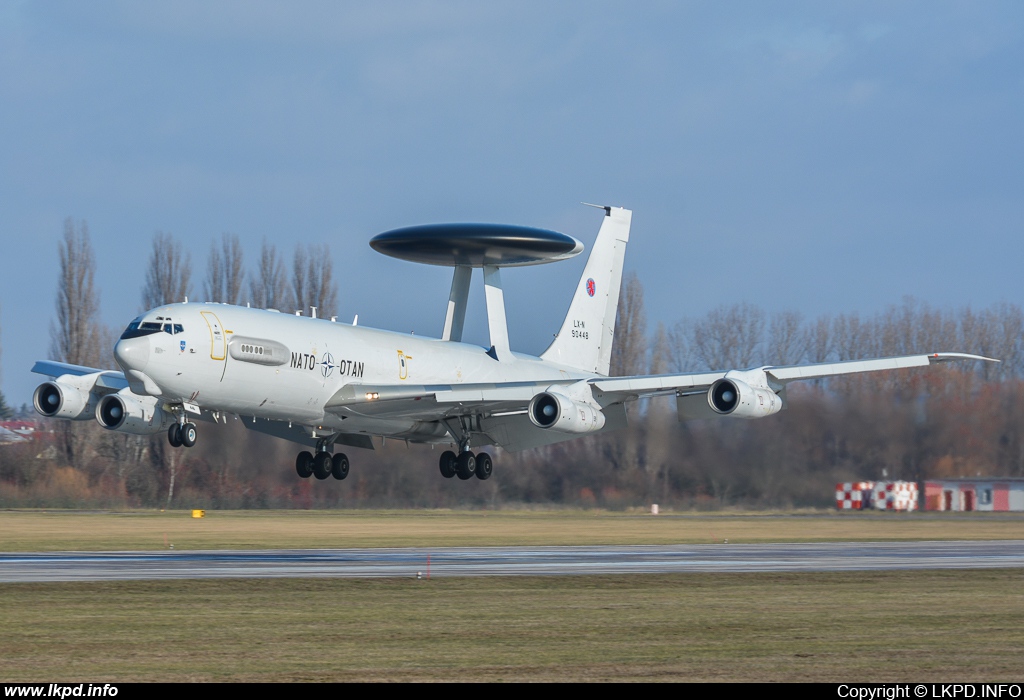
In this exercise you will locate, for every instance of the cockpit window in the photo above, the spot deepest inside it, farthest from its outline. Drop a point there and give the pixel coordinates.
(178, 328)
(137, 329)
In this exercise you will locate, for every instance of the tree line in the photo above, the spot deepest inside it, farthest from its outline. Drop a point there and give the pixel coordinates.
(954, 420)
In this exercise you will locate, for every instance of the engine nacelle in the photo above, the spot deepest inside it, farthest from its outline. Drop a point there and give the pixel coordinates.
(555, 411)
(733, 397)
(62, 400)
(137, 415)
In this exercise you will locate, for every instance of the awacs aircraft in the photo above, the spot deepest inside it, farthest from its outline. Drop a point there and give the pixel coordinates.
(325, 384)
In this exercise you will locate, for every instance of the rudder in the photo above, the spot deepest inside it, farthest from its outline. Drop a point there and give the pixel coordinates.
(585, 339)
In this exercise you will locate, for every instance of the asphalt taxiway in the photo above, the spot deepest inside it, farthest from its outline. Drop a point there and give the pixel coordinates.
(509, 561)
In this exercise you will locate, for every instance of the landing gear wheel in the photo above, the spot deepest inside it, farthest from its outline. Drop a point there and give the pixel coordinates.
(188, 434)
(484, 466)
(465, 465)
(339, 466)
(322, 465)
(448, 464)
(304, 465)
(174, 435)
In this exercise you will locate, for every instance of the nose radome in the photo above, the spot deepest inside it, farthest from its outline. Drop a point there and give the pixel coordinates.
(132, 353)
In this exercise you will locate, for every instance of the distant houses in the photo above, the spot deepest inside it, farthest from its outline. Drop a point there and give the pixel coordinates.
(15, 431)
(983, 493)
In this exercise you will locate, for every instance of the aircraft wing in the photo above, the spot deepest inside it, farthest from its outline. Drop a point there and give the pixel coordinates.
(107, 381)
(780, 376)
(433, 402)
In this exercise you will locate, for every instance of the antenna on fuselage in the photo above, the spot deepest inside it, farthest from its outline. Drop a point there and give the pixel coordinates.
(313, 315)
(486, 246)
(355, 321)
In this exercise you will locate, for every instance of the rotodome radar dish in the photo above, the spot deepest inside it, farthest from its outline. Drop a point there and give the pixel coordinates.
(476, 245)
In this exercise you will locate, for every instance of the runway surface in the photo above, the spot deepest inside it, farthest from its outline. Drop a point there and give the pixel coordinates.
(508, 561)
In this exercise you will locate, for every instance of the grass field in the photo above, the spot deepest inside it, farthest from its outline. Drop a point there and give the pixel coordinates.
(140, 530)
(842, 627)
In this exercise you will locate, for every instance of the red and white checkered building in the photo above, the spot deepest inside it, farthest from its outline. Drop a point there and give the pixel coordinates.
(854, 495)
(895, 495)
(881, 495)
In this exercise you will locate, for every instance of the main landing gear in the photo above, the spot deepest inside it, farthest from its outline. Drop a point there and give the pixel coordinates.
(322, 465)
(182, 434)
(466, 464)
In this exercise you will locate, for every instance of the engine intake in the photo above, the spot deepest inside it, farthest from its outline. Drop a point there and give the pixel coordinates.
(59, 400)
(551, 410)
(127, 414)
(732, 397)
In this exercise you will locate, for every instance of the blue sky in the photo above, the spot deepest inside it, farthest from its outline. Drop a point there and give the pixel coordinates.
(820, 157)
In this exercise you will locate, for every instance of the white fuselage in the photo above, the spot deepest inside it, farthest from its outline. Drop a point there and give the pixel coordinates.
(254, 362)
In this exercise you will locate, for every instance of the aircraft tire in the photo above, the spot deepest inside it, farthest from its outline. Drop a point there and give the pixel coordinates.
(339, 466)
(188, 434)
(322, 465)
(174, 435)
(484, 466)
(448, 464)
(465, 465)
(304, 465)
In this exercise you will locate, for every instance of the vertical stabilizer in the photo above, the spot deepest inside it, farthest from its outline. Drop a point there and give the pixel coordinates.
(585, 340)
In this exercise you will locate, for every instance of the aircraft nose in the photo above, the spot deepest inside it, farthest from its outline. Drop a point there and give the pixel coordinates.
(132, 353)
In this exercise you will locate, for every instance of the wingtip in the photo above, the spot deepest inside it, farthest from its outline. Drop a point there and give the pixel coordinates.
(952, 356)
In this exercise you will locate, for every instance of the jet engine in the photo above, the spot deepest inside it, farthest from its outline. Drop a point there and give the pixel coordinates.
(733, 397)
(60, 400)
(556, 411)
(126, 413)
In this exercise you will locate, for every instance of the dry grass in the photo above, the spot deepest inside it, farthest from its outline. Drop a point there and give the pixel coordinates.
(64, 530)
(841, 627)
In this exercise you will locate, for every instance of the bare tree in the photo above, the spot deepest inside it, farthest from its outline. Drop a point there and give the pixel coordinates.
(269, 286)
(300, 294)
(681, 353)
(167, 282)
(75, 337)
(852, 338)
(5, 410)
(661, 351)
(313, 280)
(629, 348)
(629, 357)
(785, 338)
(729, 337)
(169, 275)
(818, 339)
(1009, 338)
(225, 272)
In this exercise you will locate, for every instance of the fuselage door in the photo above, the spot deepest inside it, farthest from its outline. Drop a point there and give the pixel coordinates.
(218, 343)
